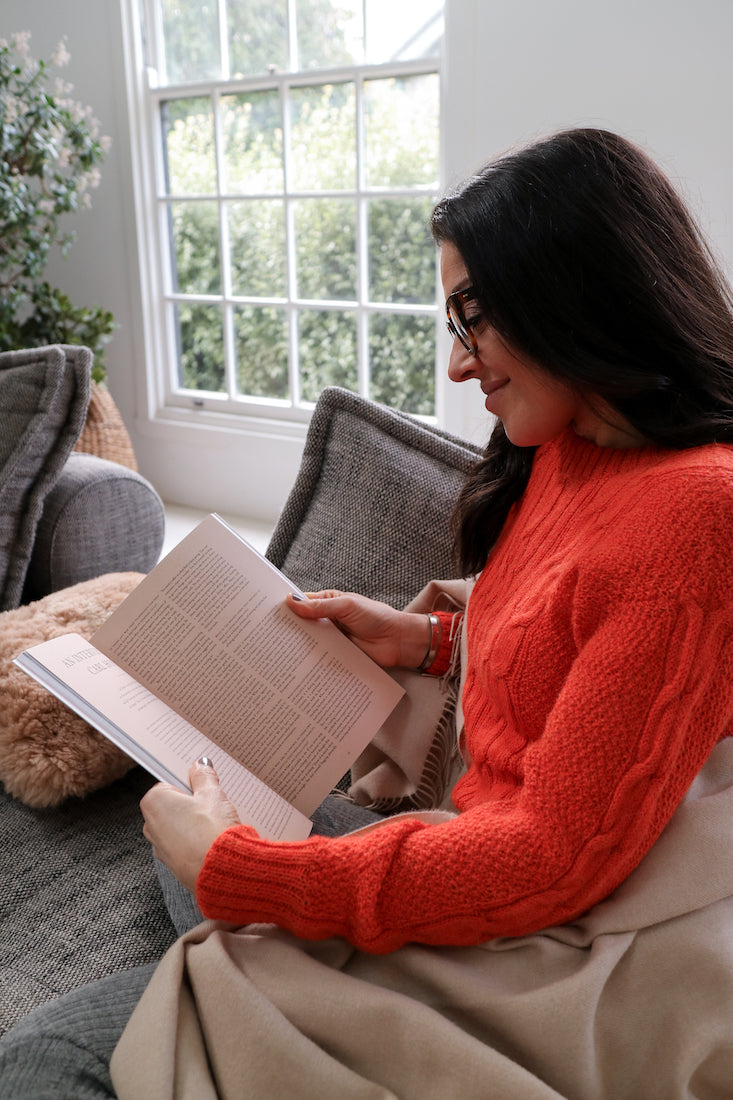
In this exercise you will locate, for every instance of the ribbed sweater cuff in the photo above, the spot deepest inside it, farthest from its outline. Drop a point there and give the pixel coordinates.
(248, 880)
(450, 640)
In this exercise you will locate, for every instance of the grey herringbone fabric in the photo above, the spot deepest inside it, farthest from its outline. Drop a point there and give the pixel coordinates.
(370, 507)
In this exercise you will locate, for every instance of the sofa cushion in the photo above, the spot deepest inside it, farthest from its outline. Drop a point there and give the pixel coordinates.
(80, 898)
(44, 400)
(370, 507)
(47, 752)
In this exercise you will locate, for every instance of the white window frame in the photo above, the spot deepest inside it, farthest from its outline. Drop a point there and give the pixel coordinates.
(255, 416)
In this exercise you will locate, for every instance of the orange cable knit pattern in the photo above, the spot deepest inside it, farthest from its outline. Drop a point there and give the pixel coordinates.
(600, 677)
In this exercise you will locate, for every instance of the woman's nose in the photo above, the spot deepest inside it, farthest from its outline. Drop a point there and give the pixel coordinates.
(461, 365)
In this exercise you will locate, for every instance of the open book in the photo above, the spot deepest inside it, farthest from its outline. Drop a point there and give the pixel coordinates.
(204, 658)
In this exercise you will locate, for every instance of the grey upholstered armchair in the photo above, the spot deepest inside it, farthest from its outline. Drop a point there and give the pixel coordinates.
(369, 511)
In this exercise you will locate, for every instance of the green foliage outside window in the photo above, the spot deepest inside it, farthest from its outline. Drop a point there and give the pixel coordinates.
(248, 209)
(201, 334)
(257, 37)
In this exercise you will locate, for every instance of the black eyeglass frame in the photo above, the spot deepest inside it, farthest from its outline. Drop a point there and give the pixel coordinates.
(457, 323)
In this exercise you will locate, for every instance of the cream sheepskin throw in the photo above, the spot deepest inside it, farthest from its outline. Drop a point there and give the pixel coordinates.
(48, 753)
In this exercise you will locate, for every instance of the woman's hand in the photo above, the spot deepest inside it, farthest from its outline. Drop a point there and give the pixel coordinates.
(182, 827)
(389, 637)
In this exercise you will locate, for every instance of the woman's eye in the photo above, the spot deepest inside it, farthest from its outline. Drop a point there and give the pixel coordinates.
(474, 318)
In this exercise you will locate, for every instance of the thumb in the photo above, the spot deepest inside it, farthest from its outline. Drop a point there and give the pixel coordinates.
(212, 799)
(320, 605)
(203, 774)
(305, 606)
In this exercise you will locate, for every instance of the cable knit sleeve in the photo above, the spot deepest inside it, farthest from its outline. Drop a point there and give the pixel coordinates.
(596, 697)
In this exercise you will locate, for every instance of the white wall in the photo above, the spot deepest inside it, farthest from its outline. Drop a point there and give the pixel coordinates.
(659, 71)
(101, 267)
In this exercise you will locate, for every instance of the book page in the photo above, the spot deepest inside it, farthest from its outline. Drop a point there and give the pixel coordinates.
(150, 732)
(208, 632)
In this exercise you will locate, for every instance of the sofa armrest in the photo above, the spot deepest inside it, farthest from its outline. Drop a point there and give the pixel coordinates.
(99, 518)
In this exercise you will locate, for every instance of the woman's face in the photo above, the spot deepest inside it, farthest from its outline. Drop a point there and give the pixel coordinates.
(533, 407)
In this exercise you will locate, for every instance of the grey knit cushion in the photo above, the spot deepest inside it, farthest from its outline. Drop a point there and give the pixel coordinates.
(369, 510)
(44, 402)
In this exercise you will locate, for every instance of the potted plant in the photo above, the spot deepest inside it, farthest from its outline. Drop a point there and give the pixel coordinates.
(50, 152)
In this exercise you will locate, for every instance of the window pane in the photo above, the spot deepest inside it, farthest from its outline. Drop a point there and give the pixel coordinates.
(188, 142)
(402, 31)
(401, 251)
(324, 137)
(327, 347)
(200, 336)
(402, 131)
(191, 35)
(296, 214)
(253, 143)
(261, 336)
(195, 228)
(402, 362)
(257, 247)
(329, 34)
(325, 244)
(258, 36)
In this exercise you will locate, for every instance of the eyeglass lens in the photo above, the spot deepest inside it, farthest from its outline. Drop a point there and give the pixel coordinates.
(457, 325)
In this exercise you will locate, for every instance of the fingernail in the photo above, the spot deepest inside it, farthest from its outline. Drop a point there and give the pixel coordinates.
(296, 596)
(205, 762)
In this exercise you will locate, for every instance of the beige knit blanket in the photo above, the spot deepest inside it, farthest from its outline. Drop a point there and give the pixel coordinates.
(633, 1002)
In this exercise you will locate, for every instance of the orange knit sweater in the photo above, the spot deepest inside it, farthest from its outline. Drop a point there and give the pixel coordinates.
(600, 649)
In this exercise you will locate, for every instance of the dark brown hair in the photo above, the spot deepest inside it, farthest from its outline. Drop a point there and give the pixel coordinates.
(586, 261)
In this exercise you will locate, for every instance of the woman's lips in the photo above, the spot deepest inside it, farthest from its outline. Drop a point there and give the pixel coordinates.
(491, 389)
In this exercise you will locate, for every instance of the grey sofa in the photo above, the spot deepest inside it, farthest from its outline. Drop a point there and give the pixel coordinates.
(369, 512)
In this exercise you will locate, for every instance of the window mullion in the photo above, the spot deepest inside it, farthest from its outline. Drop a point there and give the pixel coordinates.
(290, 250)
(223, 39)
(225, 273)
(154, 41)
(293, 51)
(362, 243)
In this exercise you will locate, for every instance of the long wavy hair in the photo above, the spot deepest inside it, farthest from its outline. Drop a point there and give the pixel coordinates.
(586, 261)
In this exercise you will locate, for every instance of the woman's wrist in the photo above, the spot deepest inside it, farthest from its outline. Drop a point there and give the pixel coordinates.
(417, 638)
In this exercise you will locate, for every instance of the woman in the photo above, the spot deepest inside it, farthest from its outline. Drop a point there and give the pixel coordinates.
(598, 679)
(581, 298)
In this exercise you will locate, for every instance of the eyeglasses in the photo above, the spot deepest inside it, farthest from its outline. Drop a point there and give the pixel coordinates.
(457, 323)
